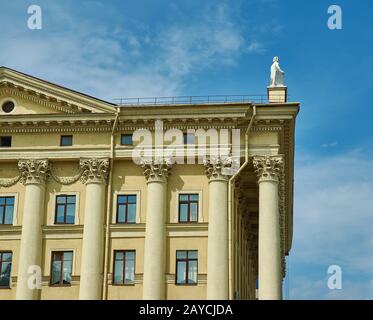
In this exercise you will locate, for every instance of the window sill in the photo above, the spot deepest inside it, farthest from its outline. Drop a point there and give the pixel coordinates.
(5, 288)
(123, 284)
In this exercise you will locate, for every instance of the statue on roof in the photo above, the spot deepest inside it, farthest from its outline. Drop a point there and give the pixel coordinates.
(277, 75)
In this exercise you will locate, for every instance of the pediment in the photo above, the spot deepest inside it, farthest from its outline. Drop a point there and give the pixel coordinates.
(31, 95)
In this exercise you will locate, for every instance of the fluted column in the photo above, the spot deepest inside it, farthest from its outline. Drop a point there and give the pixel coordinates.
(217, 248)
(33, 176)
(268, 170)
(95, 172)
(156, 173)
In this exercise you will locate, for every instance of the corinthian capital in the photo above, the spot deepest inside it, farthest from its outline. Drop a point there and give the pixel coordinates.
(156, 169)
(33, 171)
(268, 168)
(218, 167)
(94, 170)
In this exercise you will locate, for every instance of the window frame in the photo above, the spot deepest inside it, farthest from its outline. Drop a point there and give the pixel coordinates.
(62, 137)
(4, 206)
(11, 265)
(188, 202)
(65, 209)
(124, 268)
(1, 141)
(185, 138)
(186, 260)
(61, 284)
(126, 208)
(126, 135)
(115, 201)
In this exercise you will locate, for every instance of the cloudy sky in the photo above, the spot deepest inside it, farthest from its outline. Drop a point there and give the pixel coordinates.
(129, 48)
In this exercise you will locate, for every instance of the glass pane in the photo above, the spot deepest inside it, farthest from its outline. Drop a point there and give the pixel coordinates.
(181, 272)
(121, 213)
(10, 200)
(126, 139)
(61, 199)
(131, 199)
(118, 272)
(183, 197)
(130, 271)
(122, 199)
(181, 254)
(193, 254)
(9, 215)
(60, 214)
(67, 269)
(70, 213)
(130, 255)
(192, 272)
(2, 200)
(7, 257)
(71, 199)
(193, 211)
(2, 212)
(119, 255)
(68, 256)
(131, 214)
(5, 274)
(194, 197)
(56, 272)
(183, 212)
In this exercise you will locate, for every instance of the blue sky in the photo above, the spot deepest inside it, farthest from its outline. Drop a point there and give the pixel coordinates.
(130, 48)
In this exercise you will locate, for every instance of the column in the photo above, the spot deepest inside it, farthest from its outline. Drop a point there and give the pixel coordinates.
(268, 170)
(33, 176)
(156, 173)
(217, 246)
(95, 173)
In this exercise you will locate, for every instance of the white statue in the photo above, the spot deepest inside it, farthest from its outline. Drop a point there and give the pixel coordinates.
(277, 75)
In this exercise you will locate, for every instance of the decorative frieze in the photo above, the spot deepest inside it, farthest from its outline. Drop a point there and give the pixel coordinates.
(33, 171)
(94, 170)
(156, 169)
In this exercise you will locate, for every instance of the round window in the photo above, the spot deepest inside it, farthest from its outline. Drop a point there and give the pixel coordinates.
(8, 106)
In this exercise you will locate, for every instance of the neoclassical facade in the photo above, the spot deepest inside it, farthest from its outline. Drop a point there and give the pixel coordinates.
(81, 218)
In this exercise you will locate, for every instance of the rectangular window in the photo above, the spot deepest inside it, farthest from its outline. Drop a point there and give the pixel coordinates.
(65, 209)
(126, 208)
(5, 142)
(66, 141)
(189, 138)
(188, 208)
(61, 268)
(124, 267)
(5, 269)
(186, 267)
(6, 210)
(126, 140)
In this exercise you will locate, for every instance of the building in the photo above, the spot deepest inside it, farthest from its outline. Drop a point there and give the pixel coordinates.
(79, 219)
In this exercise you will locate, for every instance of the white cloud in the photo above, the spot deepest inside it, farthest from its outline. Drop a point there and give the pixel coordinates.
(333, 220)
(330, 145)
(256, 47)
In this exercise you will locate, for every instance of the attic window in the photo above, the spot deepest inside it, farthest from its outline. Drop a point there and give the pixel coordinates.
(8, 106)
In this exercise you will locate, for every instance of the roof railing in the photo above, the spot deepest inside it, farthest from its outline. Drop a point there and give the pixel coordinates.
(190, 100)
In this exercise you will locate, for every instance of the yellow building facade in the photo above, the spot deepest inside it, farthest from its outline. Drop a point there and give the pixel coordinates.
(81, 219)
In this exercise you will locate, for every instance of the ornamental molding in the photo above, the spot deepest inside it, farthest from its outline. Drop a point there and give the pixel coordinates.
(33, 171)
(218, 167)
(94, 170)
(156, 170)
(10, 182)
(40, 99)
(65, 181)
(268, 168)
